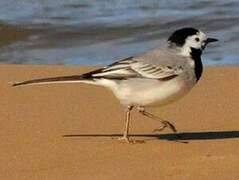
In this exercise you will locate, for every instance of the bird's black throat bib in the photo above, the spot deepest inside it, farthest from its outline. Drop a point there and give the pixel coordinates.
(196, 56)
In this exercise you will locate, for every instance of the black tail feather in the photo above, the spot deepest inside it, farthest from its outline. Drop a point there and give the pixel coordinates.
(49, 80)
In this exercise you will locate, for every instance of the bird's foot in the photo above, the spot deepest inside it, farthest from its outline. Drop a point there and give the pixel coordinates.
(166, 124)
(130, 141)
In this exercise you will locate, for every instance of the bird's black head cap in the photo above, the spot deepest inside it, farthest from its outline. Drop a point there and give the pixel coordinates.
(180, 35)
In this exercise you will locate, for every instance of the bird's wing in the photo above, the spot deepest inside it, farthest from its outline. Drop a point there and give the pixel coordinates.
(157, 71)
(132, 67)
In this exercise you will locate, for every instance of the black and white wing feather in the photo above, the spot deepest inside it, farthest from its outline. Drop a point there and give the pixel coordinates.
(118, 70)
(131, 68)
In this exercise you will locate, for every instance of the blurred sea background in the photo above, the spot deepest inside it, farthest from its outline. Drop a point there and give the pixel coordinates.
(98, 32)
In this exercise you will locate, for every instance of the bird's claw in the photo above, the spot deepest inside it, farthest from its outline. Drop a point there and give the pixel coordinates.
(129, 141)
(166, 124)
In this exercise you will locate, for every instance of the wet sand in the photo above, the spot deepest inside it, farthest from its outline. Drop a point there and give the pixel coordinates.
(65, 131)
(10, 34)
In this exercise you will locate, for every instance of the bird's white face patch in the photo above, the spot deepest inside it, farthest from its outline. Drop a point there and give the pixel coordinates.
(197, 41)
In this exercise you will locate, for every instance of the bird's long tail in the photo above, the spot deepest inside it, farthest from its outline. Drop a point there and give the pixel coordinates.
(51, 80)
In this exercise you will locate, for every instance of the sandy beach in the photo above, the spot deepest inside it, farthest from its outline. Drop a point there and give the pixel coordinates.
(65, 131)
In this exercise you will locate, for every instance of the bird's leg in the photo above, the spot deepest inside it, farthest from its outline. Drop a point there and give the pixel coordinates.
(164, 122)
(125, 137)
(127, 122)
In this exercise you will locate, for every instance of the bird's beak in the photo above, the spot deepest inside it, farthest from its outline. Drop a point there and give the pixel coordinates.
(210, 40)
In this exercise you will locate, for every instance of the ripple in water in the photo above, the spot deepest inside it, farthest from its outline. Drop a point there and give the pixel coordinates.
(99, 32)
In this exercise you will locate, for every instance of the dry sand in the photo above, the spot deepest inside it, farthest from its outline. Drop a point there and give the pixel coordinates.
(34, 120)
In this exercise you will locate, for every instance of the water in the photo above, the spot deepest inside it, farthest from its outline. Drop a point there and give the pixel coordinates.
(98, 32)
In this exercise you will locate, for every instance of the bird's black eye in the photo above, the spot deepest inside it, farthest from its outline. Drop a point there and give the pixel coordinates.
(197, 39)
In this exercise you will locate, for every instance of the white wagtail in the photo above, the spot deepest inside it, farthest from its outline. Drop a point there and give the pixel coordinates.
(154, 78)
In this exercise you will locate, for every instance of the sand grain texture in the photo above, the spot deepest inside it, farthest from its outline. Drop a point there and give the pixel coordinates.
(34, 120)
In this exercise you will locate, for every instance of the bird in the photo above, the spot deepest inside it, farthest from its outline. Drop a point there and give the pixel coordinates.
(150, 79)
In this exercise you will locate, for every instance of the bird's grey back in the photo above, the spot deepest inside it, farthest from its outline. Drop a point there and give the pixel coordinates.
(162, 57)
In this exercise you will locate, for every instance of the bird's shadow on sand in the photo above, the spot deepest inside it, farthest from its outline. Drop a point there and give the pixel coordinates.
(182, 136)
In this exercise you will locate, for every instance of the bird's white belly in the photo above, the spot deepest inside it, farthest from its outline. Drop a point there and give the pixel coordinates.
(148, 92)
